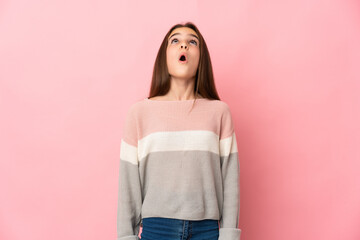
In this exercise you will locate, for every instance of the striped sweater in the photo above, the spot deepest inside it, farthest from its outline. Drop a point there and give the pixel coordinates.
(177, 163)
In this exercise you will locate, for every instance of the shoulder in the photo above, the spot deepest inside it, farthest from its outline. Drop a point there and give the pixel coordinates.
(142, 105)
(224, 105)
(136, 106)
(227, 124)
(221, 106)
(133, 110)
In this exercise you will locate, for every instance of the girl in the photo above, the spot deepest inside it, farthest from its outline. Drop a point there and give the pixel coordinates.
(179, 169)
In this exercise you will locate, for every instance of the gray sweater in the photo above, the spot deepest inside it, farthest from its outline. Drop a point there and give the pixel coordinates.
(177, 163)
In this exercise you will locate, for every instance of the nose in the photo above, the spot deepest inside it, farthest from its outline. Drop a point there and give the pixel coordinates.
(184, 46)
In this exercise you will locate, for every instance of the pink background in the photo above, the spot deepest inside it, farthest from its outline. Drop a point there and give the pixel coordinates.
(289, 71)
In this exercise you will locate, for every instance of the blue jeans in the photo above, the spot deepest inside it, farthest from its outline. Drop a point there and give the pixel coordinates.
(157, 228)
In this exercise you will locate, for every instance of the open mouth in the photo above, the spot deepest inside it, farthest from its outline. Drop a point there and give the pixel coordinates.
(182, 58)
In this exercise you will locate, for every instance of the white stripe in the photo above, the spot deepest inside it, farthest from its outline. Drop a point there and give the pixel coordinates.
(228, 145)
(128, 153)
(179, 141)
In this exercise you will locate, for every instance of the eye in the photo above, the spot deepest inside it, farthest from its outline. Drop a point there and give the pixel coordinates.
(173, 39)
(194, 42)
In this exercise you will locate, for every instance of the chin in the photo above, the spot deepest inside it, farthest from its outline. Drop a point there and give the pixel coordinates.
(183, 74)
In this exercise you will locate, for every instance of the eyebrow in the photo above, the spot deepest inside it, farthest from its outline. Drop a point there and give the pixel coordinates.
(188, 34)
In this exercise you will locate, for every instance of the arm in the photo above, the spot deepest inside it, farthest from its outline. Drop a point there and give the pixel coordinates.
(230, 169)
(129, 195)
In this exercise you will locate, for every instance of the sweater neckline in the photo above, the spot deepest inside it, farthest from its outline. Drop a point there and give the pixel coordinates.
(179, 101)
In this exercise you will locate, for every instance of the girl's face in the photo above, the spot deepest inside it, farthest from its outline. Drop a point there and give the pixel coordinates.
(183, 41)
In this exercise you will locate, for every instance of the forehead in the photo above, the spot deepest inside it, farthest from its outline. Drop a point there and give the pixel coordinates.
(183, 31)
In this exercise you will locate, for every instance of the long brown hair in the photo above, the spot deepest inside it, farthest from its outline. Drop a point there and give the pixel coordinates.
(204, 80)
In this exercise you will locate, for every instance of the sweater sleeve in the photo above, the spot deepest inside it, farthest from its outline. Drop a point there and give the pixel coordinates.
(129, 192)
(230, 170)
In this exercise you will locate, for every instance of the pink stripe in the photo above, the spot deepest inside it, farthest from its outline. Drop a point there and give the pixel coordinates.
(152, 116)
